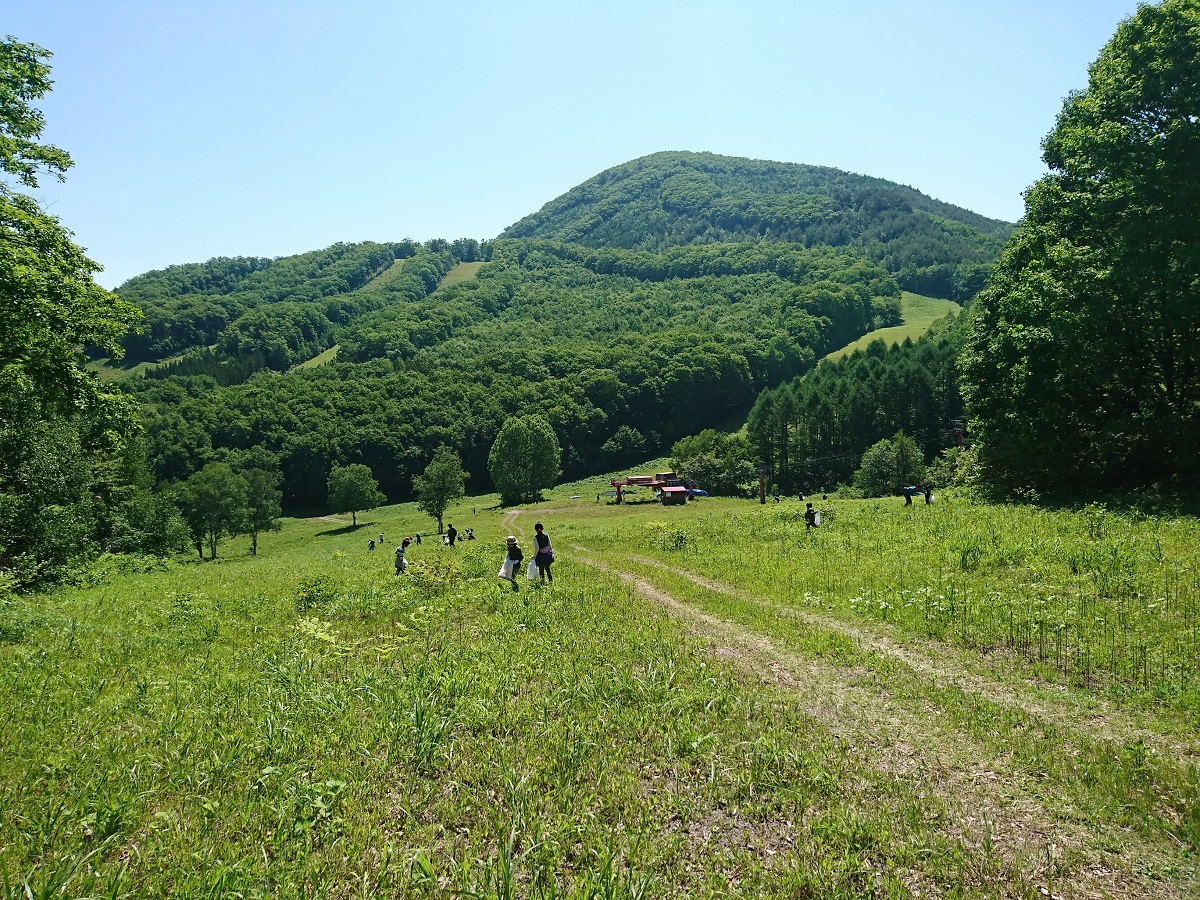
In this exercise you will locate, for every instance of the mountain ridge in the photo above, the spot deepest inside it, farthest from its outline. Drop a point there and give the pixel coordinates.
(676, 197)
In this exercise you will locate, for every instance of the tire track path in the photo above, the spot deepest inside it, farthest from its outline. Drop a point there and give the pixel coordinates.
(989, 802)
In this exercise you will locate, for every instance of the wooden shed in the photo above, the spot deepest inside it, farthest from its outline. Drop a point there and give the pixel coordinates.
(673, 495)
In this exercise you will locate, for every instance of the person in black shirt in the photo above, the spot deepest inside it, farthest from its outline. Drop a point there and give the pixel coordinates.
(451, 534)
(544, 555)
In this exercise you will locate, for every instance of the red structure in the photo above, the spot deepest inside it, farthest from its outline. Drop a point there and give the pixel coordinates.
(668, 485)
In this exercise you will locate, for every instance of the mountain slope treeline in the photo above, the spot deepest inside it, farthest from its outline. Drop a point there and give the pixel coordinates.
(812, 431)
(282, 310)
(678, 198)
(624, 352)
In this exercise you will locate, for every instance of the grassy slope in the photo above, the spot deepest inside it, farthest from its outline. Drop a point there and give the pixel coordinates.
(919, 314)
(320, 359)
(107, 370)
(463, 271)
(305, 718)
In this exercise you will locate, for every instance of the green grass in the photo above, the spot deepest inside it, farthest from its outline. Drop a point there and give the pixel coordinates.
(320, 359)
(461, 272)
(708, 702)
(919, 314)
(107, 370)
(388, 274)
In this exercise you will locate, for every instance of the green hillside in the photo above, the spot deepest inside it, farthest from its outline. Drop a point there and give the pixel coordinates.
(919, 314)
(624, 353)
(658, 299)
(678, 198)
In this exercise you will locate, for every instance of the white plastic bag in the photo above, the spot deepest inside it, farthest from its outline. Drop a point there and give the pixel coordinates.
(505, 569)
(531, 570)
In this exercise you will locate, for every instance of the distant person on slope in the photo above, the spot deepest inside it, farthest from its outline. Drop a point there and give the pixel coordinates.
(451, 535)
(810, 516)
(545, 555)
(401, 562)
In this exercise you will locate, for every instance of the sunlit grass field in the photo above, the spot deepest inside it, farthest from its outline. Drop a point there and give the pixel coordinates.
(325, 356)
(462, 271)
(919, 313)
(962, 699)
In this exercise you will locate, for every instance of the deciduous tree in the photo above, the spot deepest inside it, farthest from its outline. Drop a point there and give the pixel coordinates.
(263, 504)
(524, 459)
(1083, 365)
(441, 484)
(890, 465)
(51, 308)
(213, 502)
(353, 489)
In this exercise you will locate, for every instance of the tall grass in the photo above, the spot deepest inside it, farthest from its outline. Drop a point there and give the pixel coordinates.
(304, 722)
(1099, 598)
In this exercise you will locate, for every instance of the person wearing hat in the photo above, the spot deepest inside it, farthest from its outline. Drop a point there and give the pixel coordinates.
(401, 562)
(512, 560)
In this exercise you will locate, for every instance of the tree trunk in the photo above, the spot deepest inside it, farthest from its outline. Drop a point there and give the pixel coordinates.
(254, 544)
(353, 518)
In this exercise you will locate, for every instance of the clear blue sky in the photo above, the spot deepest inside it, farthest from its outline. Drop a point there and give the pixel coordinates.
(256, 128)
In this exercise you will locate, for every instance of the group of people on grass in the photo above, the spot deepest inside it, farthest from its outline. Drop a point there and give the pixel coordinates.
(538, 569)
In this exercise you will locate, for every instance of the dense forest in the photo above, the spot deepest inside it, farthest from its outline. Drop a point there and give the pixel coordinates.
(624, 352)
(285, 310)
(813, 431)
(677, 198)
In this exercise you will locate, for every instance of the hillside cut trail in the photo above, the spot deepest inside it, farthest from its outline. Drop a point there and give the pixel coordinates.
(990, 801)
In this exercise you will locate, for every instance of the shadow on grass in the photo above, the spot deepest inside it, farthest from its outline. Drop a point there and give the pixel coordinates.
(345, 529)
(1167, 500)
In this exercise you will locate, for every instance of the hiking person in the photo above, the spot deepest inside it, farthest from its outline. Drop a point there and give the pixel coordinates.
(401, 562)
(512, 560)
(810, 516)
(908, 494)
(451, 534)
(371, 546)
(544, 555)
(381, 539)
(418, 537)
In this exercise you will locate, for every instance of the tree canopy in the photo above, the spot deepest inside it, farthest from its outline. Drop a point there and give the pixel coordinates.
(440, 484)
(524, 459)
(677, 198)
(67, 486)
(51, 307)
(353, 489)
(1083, 363)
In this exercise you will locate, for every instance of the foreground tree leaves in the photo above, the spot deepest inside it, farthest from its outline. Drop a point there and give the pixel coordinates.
(1083, 365)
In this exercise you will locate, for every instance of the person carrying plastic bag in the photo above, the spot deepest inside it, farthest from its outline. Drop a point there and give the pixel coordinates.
(512, 561)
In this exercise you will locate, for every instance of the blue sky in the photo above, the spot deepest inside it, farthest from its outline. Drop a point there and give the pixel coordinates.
(256, 128)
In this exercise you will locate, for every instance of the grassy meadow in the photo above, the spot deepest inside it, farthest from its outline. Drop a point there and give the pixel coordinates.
(956, 700)
(463, 271)
(919, 313)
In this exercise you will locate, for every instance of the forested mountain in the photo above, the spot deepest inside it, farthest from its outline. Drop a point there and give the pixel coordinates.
(284, 310)
(678, 198)
(654, 301)
(623, 351)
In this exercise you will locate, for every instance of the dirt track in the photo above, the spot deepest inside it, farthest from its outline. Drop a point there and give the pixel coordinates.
(990, 800)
